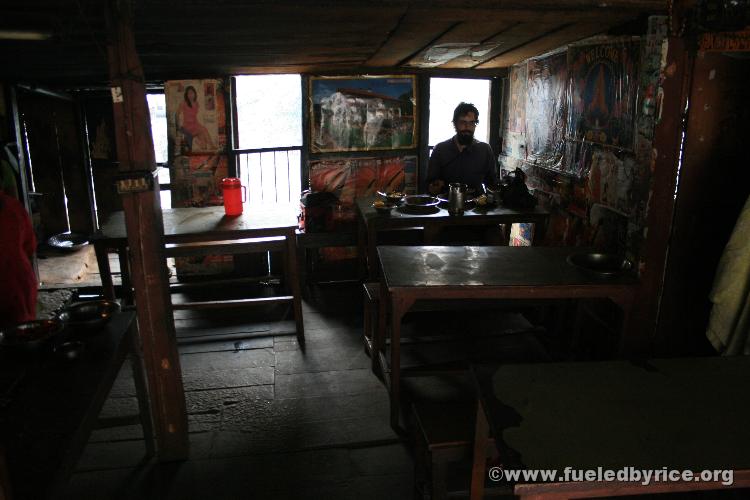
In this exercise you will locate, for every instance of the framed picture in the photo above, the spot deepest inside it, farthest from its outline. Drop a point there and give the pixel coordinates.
(366, 113)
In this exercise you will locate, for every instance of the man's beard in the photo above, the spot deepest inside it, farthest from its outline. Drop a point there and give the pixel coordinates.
(465, 138)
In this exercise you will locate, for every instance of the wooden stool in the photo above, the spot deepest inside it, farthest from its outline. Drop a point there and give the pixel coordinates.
(445, 434)
(371, 292)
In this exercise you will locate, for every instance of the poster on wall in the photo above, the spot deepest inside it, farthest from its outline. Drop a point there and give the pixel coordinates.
(362, 113)
(603, 92)
(196, 180)
(546, 110)
(517, 104)
(196, 119)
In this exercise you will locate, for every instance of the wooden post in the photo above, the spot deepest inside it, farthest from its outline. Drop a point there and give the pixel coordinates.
(145, 229)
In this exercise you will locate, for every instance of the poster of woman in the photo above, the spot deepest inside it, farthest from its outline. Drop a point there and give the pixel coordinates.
(195, 116)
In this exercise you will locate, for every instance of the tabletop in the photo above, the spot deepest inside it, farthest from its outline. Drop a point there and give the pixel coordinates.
(185, 222)
(493, 266)
(682, 413)
(48, 406)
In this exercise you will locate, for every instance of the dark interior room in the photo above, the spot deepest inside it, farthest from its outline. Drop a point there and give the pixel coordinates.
(406, 249)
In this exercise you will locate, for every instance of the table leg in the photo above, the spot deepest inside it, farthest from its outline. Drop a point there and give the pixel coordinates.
(540, 229)
(293, 283)
(481, 434)
(362, 250)
(127, 287)
(372, 253)
(378, 340)
(105, 273)
(399, 307)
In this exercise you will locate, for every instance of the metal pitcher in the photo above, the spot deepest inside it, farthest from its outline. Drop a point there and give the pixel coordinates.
(456, 198)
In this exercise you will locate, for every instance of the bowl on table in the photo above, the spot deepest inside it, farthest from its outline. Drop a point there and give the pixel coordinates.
(30, 335)
(383, 207)
(394, 197)
(603, 265)
(88, 315)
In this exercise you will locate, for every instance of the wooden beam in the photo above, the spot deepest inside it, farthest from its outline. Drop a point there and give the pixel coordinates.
(145, 229)
(544, 42)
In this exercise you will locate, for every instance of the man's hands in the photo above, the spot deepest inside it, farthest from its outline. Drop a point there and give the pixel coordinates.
(436, 187)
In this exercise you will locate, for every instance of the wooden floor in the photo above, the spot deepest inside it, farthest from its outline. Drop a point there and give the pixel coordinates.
(266, 420)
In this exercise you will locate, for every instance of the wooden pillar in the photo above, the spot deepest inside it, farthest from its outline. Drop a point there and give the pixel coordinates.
(666, 154)
(145, 229)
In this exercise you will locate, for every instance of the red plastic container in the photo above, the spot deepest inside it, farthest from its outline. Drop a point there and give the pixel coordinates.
(233, 197)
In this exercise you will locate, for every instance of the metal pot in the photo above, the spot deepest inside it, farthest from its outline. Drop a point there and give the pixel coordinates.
(456, 198)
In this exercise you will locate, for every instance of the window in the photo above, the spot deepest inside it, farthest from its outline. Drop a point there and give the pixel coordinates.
(158, 110)
(445, 95)
(269, 132)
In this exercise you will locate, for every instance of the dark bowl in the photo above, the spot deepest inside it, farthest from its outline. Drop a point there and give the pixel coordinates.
(385, 208)
(601, 264)
(30, 334)
(68, 242)
(421, 200)
(89, 315)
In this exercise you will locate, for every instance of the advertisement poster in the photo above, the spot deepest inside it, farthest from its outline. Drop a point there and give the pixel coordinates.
(546, 110)
(362, 113)
(196, 119)
(603, 93)
(196, 180)
(517, 104)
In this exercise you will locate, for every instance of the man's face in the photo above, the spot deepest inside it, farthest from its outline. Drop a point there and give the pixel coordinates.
(465, 126)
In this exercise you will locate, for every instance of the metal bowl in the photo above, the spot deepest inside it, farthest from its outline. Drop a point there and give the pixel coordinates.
(30, 334)
(395, 197)
(91, 314)
(601, 264)
(68, 242)
(421, 200)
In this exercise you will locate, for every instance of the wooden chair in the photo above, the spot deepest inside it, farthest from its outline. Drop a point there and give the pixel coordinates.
(444, 436)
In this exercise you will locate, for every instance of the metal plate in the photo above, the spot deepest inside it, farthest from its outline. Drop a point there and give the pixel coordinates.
(68, 241)
(600, 264)
(421, 200)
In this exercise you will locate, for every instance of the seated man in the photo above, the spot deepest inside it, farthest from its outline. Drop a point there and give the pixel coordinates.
(461, 158)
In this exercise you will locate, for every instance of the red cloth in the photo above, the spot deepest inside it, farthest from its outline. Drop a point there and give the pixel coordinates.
(190, 117)
(18, 285)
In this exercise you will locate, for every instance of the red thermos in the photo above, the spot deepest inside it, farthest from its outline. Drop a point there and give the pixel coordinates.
(233, 198)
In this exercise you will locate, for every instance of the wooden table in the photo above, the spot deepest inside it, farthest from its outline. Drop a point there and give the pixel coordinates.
(206, 230)
(371, 222)
(409, 274)
(48, 406)
(682, 414)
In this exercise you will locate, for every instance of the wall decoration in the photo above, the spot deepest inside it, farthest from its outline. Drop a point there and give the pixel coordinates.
(195, 116)
(196, 180)
(352, 178)
(517, 104)
(362, 113)
(603, 89)
(546, 110)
